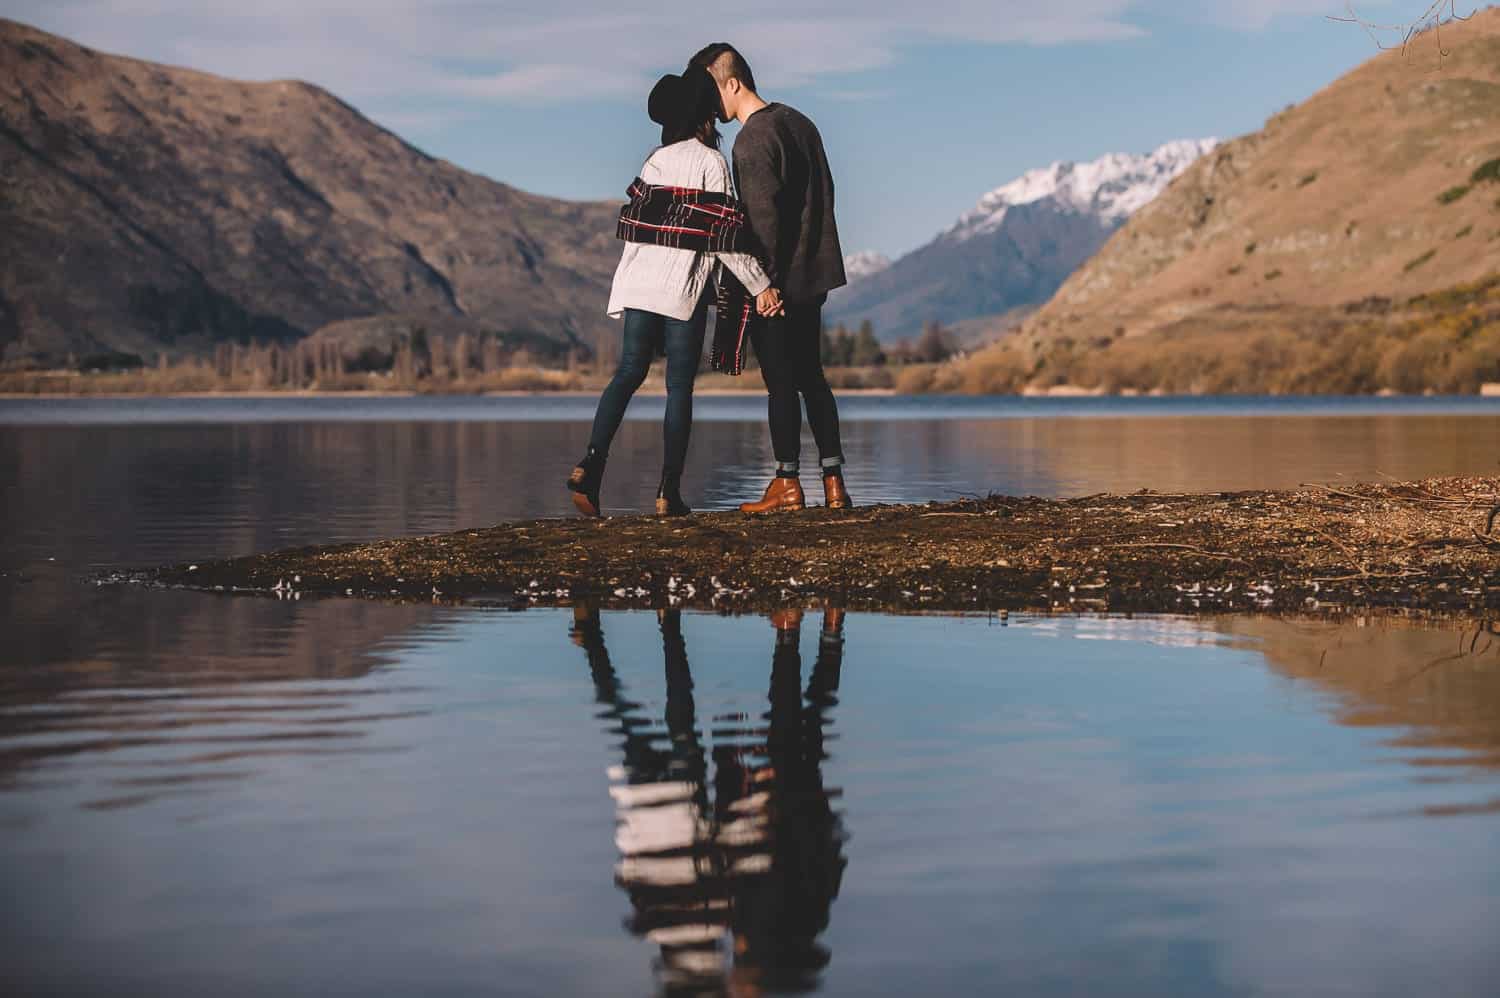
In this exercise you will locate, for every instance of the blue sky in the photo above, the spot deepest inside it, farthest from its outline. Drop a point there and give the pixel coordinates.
(923, 106)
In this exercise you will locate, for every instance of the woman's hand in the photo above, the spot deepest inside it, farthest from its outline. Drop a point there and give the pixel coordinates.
(769, 304)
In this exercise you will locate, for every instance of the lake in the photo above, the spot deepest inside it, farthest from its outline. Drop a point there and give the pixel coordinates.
(202, 794)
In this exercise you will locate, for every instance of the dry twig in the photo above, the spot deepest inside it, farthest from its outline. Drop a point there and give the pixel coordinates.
(1437, 14)
(1184, 547)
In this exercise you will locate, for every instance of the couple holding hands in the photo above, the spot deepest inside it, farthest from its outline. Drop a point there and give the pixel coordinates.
(771, 256)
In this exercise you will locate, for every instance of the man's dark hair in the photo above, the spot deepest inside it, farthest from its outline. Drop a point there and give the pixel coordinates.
(736, 67)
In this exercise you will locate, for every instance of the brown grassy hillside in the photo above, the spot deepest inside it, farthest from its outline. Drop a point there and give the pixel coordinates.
(147, 208)
(1340, 218)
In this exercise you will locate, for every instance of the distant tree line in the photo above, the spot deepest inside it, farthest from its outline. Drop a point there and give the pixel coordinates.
(416, 362)
(420, 361)
(110, 360)
(403, 364)
(406, 360)
(861, 348)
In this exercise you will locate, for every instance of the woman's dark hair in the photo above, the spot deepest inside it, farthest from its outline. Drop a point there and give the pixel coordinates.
(706, 131)
(699, 114)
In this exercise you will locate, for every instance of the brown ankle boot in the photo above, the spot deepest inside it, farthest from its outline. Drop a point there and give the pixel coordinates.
(584, 483)
(669, 499)
(781, 494)
(835, 496)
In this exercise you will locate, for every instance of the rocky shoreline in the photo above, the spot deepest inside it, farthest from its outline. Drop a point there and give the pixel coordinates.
(1420, 546)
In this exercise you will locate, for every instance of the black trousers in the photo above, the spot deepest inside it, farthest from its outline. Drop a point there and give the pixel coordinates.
(790, 352)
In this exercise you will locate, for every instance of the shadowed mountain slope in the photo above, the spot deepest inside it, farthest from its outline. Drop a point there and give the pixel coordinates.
(149, 208)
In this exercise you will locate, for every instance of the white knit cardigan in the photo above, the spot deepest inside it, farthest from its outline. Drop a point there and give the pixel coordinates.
(671, 281)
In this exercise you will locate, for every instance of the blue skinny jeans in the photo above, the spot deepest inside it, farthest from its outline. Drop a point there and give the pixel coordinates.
(683, 340)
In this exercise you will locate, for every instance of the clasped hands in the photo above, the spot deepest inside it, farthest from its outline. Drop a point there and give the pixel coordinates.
(768, 304)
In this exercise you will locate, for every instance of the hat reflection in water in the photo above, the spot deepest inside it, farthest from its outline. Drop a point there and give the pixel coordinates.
(738, 887)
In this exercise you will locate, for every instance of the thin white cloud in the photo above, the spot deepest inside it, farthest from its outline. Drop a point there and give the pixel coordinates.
(856, 95)
(534, 50)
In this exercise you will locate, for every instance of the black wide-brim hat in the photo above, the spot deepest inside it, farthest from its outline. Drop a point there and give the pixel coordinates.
(683, 100)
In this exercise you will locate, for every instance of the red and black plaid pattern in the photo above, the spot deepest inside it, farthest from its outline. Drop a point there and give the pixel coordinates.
(704, 222)
(736, 310)
(683, 217)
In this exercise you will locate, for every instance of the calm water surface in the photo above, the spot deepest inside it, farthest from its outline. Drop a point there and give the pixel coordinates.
(117, 482)
(212, 795)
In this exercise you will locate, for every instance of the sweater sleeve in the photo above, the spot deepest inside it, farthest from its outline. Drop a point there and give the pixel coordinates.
(744, 265)
(758, 174)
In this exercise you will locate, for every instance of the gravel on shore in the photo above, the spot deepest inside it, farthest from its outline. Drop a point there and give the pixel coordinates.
(1422, 546)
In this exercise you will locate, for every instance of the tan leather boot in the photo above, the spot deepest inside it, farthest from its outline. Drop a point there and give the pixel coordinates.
(782, 494)
(835, 496)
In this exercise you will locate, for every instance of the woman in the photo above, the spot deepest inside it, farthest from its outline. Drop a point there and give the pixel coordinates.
(681, 223)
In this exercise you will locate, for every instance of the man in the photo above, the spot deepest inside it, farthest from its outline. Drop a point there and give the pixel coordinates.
(782, 175)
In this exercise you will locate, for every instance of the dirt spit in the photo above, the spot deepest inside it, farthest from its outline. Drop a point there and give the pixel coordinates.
(1417, 546)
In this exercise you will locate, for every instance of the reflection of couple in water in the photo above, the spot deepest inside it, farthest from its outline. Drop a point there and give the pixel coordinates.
(753, 867)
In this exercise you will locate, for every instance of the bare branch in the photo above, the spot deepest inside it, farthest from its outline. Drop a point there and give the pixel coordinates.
(1437, 14)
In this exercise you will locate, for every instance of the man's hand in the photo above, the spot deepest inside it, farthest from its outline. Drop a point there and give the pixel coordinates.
(769, 304)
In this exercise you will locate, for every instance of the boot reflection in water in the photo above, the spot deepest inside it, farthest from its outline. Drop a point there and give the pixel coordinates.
(763, 861)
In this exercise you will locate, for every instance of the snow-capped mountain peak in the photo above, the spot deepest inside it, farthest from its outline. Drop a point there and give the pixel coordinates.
(1112, 187)
(864, 263)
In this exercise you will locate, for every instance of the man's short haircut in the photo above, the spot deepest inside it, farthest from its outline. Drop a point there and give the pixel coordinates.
(735, 67)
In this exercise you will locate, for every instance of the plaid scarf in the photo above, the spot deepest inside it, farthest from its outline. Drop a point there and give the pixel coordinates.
(706, 222)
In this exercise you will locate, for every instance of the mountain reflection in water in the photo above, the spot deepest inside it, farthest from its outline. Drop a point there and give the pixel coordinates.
(192, 687)
(754, 867)
(1438, 684)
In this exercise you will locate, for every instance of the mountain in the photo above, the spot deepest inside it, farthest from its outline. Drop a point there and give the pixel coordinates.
(864, 263)
(1110, 188)
(1015, 247)
(148, 208)
(1371, 208)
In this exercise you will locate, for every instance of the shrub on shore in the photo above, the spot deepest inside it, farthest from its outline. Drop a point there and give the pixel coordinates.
(200, 378)
(1445, 342)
